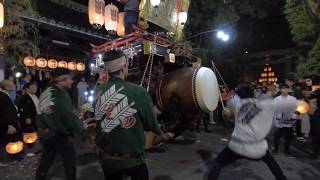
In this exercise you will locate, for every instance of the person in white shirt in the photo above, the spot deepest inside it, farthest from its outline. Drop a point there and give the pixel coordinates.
(285, 118)
(248, 140)
(82, 87)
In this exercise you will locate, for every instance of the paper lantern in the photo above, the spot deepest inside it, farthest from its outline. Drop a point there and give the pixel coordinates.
(121, 31)
(111, 13)
(1, 15)
(183, 16)
(62, 64)
(52, 64)
(81, 67)
(14, 147)
(30, 138)
(302, 107)
(228, 115)
(72, 66)
(41, 63)
(96, 13)
(29, 61)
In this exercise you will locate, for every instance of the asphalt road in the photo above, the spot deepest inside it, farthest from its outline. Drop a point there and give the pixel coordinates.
(183, 162)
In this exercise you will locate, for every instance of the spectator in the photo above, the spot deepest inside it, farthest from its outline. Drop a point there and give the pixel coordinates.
(26, 79)
(9, 124)
(284, 121)
(315, 124)
(28, 108)
(82, 87)
(265, 93)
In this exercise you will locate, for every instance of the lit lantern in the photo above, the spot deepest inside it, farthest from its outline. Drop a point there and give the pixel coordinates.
(29, 61)
(121, 28)
(81, 67)
(63, 64)
(1, 15)
(155, 3)
(183, 16)
(41, 63)
(228, 115)
(111, 17)
(72, 66)
(302, 107)
(14, 147)
(96, 12)
(30, 138)
(52, 64)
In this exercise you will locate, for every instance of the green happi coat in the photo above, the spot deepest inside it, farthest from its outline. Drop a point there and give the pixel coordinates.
(123, 111)
(56, 114)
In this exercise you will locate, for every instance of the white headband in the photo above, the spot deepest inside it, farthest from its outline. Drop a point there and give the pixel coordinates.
(116, 64)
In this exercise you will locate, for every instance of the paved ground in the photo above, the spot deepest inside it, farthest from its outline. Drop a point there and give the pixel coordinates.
(183, 162)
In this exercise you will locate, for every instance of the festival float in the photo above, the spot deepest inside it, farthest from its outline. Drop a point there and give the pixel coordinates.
(180, 88)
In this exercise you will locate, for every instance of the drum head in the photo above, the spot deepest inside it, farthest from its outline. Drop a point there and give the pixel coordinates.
(206, 89)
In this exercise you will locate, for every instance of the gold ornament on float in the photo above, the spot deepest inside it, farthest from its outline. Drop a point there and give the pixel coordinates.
(62, 64)
(29, 61)
(52, 64)
(41, 63)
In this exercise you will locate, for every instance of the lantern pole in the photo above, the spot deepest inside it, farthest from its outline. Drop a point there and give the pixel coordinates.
(2, 63)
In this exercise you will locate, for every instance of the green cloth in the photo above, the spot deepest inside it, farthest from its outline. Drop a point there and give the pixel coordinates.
(56, 114)
(123, 111)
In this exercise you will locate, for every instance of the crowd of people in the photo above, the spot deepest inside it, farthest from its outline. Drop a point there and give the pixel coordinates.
(124, 111)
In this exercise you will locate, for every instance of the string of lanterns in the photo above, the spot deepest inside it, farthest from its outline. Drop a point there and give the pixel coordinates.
(52, 64)
(109, 16)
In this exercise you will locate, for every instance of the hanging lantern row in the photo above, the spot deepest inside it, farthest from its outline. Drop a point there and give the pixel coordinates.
(52, 64)
(109, 16)
(100, 15)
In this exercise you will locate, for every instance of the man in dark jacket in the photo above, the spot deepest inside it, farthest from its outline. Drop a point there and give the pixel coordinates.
(8, 116)
(57, 123)
(28, 107)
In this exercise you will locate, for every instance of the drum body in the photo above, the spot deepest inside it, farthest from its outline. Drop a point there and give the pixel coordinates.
(190, 90)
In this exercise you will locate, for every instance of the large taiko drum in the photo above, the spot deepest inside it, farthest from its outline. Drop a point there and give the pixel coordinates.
(191, 89)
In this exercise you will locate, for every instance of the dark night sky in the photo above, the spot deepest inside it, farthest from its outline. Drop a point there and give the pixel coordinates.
(270, 33)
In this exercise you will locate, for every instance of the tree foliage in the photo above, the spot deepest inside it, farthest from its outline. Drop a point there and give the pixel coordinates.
(305, 28)
(20, 37)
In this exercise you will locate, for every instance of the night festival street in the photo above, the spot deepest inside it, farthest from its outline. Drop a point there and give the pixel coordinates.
(175, 164)
(159, 89)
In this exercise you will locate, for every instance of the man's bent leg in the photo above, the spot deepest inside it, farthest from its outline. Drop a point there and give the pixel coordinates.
(274, 166)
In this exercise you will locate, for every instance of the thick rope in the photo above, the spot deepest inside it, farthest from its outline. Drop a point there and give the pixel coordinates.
(150, 72)
(145, 70)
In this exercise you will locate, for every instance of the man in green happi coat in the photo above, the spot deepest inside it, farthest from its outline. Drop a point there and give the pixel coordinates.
(57, 123)
(123, 111)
